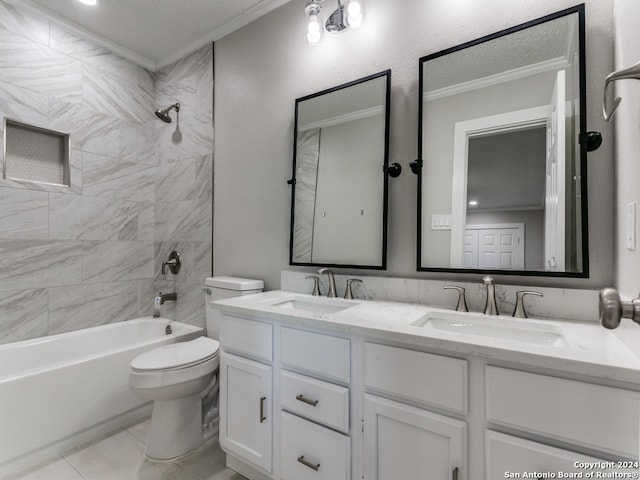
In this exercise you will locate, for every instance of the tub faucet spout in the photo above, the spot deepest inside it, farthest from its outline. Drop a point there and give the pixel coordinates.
(168, 297)
(160, 299)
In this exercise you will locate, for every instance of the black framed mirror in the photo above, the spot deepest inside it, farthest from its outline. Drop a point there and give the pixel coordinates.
(502, 184)
(339, 185)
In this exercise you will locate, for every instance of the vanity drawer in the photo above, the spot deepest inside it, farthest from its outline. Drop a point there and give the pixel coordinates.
(594, 416)
(324, 355)
(310, 451)
(316, 400)
(430, 379)
(247, 337)
(506, 453)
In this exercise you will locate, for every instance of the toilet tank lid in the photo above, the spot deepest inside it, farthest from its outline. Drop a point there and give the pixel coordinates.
(234, 283)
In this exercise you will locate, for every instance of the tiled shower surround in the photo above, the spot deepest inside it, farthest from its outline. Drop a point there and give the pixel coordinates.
(79, 256)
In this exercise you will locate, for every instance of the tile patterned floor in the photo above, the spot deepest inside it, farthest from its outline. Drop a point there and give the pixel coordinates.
(119, 457)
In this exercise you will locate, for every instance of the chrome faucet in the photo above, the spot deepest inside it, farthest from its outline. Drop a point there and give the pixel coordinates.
(332, 282)
(160, 299)
(490, 308)
(168, 297)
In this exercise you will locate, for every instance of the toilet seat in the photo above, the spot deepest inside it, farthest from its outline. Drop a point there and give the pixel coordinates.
(176, 356)
(175, 364)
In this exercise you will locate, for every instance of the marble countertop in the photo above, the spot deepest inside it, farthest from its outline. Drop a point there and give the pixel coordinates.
(585, 349)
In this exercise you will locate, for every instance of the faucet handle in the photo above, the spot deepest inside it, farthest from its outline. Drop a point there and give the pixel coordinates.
(174, 263)
(316, 285)
(462, 301)
(348, 294)
(519, 311)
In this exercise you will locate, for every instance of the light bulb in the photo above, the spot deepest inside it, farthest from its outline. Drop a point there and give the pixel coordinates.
(314, 27)
(89, 2)
(354, 14)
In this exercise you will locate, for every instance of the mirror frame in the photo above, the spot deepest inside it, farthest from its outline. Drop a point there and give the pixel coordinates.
(383, 258)
(580, 10)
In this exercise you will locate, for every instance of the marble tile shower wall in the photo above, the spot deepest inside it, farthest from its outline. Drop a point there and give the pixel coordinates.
(88, 254)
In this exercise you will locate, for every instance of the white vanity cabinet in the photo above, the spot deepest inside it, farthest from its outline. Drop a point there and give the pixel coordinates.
(564, 415)
(305, 402)
(405, 441)
(402, 441)
(508, 456)
(314, 398)
(246, 423)
(246, 391)
(596, 417)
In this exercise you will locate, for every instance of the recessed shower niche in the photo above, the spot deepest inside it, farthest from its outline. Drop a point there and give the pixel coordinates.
(35, 154)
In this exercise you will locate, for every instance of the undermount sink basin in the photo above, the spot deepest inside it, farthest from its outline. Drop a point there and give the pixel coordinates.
(518, 330)
(319, 305)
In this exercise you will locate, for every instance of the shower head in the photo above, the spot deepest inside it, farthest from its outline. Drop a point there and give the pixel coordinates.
(163, 114)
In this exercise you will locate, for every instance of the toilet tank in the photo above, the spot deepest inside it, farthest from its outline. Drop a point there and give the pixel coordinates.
(219, 288)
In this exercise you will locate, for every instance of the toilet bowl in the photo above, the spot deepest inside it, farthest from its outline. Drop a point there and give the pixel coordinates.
(182, 380)
(179, 378)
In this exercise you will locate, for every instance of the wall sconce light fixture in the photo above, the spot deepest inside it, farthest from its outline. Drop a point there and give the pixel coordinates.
(343, 18)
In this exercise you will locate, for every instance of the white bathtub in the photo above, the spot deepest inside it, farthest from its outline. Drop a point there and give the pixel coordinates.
(61, 390)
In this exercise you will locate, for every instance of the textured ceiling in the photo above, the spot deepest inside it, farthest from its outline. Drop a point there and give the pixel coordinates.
(153, 33)
(556, 39)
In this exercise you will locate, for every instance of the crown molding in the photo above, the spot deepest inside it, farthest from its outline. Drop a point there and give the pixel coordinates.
(347, 117)
(239, 21)
(49, 16)
(507, 76)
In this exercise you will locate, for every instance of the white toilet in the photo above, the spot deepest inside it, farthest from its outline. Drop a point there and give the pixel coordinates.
(182, 380)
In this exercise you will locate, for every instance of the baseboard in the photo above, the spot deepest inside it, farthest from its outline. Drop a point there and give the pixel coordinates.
(244, 469)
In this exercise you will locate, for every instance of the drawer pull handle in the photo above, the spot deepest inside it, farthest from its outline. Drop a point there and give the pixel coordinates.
(302, 398)
(307, 463)
(454, 474)
(262, 417)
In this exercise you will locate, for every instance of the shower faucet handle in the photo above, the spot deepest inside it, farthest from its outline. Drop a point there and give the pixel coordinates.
(174, 263)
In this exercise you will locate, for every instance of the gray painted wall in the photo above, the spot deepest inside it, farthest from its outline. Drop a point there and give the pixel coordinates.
(627, 121)
(79, 256)
(261, 69)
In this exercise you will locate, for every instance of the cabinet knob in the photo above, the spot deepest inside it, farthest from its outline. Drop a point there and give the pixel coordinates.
(454, 474)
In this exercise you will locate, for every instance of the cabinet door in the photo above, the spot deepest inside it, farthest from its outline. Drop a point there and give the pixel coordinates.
(245, 410)
(405, 442)
(511, 457)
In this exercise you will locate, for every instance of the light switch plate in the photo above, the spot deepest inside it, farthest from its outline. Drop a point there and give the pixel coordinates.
(440, 222)
(630, 225)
